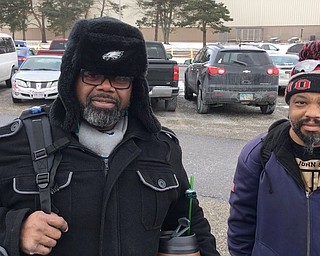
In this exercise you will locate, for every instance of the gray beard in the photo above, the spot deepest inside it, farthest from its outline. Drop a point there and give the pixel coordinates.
(102, 118)
(310, 140)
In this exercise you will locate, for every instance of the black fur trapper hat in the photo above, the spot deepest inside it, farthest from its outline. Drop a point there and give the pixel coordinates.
(107, 46)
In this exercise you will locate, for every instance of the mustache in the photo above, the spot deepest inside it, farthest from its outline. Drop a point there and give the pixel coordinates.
(101, 95)
(307, 120)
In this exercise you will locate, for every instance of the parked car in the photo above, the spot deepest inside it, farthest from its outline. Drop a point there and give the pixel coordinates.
(23, 53)
(294, 39)
(232, 74)
(20, 43)
(294, 48)
(269, 47)
(8, 58)
(37, 78)
(56, 47)
(285, 63)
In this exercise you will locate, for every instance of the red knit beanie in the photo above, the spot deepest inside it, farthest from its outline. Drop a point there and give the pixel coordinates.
(310, 50)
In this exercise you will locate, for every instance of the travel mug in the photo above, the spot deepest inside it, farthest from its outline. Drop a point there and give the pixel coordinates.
(186, 245)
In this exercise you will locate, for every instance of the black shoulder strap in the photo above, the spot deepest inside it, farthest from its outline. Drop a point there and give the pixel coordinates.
(271, 139)
(45, 154)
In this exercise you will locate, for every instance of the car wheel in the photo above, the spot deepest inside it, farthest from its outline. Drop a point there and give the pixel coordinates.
(201, 107)
(171, 105)
(268, 109)
(8, 82)
(188, 94)
(14, 100)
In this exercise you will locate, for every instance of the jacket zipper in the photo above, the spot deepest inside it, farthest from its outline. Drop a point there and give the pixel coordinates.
(308, 222)
(308, 194)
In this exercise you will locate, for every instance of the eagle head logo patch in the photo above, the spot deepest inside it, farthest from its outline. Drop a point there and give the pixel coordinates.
(113, 55)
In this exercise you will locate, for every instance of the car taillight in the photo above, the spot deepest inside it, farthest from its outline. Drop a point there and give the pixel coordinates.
(21, 59)
(273, 71)
(215, 70)
(175, 73)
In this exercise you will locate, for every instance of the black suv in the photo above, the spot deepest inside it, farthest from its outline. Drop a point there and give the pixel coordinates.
(232, 74)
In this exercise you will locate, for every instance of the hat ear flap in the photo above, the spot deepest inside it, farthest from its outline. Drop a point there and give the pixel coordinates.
(63, 117)
(141, 105)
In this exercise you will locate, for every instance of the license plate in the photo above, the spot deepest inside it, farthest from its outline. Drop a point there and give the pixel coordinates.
(38, 95)
(246, 96)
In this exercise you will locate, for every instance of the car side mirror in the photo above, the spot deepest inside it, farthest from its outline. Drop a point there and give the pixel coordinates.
(169, 56)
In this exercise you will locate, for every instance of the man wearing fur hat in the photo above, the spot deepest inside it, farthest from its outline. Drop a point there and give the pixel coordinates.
(275, 198)
(119, 180)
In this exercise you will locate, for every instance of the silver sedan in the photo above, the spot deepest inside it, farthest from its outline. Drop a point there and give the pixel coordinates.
(285, 63)
(37, 78)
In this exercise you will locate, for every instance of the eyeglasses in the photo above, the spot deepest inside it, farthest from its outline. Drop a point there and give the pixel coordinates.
(117, 82)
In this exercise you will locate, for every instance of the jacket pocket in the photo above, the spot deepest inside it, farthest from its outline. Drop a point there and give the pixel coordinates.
(159, 190)
(26, 192)
(27, 184)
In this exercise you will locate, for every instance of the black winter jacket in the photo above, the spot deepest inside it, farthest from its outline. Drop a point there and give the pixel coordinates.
(115, 209)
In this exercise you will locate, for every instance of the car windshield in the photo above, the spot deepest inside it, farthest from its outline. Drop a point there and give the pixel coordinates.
(284, 60)
(41, 64)
(245, 58)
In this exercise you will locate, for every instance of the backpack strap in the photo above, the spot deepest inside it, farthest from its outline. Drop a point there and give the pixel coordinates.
(270, 140)
(46, 156)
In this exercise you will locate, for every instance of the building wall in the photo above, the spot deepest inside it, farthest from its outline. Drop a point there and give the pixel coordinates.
(273, 12)
(273, 18)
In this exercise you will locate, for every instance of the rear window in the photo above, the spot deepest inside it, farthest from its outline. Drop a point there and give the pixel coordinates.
(6, 45)
(22, 51)
(155, 51)
(58, 45)
(295, 48)
(246, 58)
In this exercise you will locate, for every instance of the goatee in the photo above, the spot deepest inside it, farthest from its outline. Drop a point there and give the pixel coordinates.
(99, 117)
(310, 139)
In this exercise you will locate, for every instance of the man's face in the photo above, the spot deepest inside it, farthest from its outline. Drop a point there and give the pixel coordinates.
(304, 115)
(102, 106)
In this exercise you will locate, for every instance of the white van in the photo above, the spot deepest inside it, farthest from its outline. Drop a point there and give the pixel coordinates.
(8, 58)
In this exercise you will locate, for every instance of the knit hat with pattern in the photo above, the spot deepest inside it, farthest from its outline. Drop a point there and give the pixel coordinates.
(303, 82)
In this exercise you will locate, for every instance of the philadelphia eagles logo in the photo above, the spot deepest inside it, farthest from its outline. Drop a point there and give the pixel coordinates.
(114, 55)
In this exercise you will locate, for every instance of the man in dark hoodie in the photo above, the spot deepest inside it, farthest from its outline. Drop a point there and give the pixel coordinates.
(120, 180)
(275, 198)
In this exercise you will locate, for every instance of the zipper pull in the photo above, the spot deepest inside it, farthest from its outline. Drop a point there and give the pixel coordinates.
(308, 194)
(106, 166)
